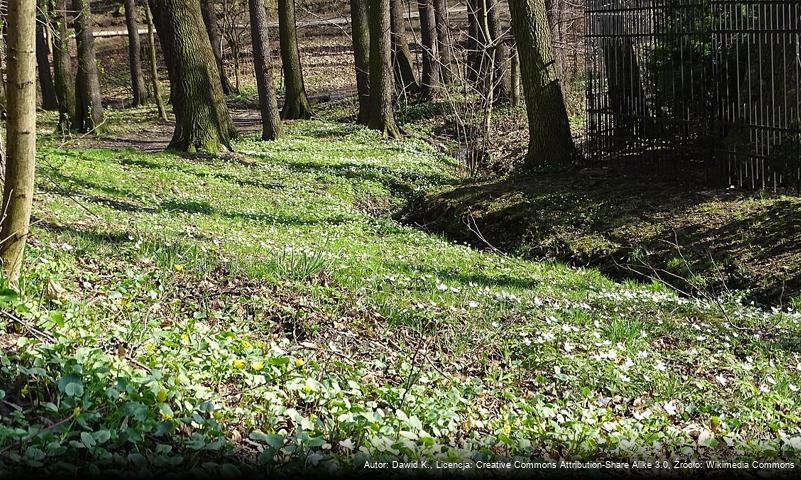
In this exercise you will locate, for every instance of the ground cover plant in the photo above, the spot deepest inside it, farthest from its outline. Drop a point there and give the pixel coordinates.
(264, 310)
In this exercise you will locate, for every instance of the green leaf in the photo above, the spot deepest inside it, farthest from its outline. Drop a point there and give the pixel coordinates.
(71, 385)
(88, 440)
(102, 436)
(275, 441)
(258, 436)
(7, 296)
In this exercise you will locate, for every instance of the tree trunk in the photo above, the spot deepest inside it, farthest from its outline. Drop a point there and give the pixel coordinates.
(202, 120)
(89, 105)
(382, 113)
(2, 84)
(475, 41)
(514, 99)
(429, 80)
(262, 64)
(135, 55)
(361, 54)
(296, 104)
(210, 21)
(21, 131)
(406, 84)
(49, 100)
(159, 18)
(443, 39)
(503, 82)
(550, 140)
(62, 66)
(154, 68)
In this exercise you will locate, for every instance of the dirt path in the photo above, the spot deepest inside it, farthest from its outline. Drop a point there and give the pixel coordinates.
(155, 138)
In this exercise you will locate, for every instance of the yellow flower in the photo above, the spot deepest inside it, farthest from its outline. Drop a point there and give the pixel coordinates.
(76, 412)
(150, 347)
(298, 362)
(507, 429)
(178, 267)
(239, 364)
(260, 344)
(307, 388)
(257, 366)
(185, 339)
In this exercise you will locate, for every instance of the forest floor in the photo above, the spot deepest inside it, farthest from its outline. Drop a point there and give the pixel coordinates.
(264, 309)
(697, 239)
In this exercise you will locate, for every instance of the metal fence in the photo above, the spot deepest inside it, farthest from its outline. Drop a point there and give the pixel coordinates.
(697, 87)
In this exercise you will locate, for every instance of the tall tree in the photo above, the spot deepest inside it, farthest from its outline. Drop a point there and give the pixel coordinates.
(49, 100)
(2, 80)
(550, 140)
(429, 80)
(159, 18)
(21, 132)
(474, 40)
(210, 21)
(202, 120)
(443, 39)
(135, 55)
(382, 112)
(154, 69)
(500, 50)
(62, 66)
(406, 83)
(262, 64)
(89, 115)
(361, 53)
(296, 104)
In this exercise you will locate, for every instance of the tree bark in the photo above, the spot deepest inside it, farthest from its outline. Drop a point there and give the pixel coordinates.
(154, 68)
(443, 39)
(550, 140)
(262, 64)
(514, 99)
(361, 53)
(62, 66)
(89, 114)
(503, 82)
(429, 80)
(2, 82)
(21, 131)
(135, 55)
(382, 112)
(296, 104)
(165, 36)
(406, 83)
(475, 41)
(202, 120)
(210, 21)
(49, 100)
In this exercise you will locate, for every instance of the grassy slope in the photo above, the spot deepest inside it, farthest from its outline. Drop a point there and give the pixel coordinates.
(263, 308)
(691, 237)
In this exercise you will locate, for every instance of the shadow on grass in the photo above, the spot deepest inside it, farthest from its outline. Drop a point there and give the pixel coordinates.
(631, 227)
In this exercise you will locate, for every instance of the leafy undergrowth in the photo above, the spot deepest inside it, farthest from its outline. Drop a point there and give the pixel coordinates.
(263, 311)
(690, 237)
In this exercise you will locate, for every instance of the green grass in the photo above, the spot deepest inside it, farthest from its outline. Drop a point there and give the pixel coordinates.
(263, 310)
